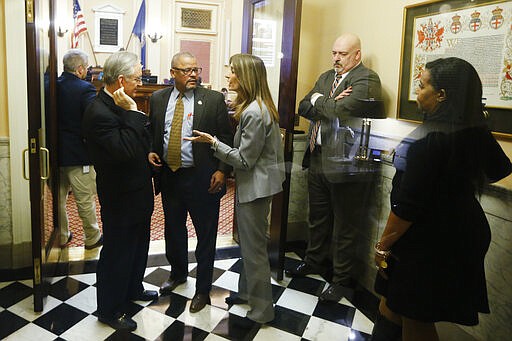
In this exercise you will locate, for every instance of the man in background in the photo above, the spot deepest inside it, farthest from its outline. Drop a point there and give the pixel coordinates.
(338, 196)
(189, 177)
(117, 137)
(75, 169)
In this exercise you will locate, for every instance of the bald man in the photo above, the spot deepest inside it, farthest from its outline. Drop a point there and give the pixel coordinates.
(337, 194)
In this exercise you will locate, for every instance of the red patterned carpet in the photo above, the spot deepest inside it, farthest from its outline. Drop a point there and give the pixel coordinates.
(157, 220)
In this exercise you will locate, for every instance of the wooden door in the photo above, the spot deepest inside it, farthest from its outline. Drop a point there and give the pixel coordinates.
(41, 80)
(271, 30)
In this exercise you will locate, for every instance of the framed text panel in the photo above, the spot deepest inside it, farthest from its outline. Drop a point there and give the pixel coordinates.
(478, 31)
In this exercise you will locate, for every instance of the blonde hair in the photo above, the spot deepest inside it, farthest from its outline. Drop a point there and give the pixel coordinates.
(252, 78)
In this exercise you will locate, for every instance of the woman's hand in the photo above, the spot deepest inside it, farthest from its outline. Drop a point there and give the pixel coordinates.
(201, 137)
(123, 100)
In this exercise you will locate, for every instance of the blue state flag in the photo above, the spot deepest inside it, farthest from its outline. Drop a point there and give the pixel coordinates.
(139, 30)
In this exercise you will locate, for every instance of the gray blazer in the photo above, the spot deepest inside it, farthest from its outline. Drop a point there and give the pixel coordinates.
(257, 156)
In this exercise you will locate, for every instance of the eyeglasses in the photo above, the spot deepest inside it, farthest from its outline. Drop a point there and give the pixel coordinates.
(190, 70)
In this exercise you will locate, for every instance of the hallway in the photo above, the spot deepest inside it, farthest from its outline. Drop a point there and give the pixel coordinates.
(69, 312)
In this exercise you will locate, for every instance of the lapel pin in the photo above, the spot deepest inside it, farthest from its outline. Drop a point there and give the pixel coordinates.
(200, 102)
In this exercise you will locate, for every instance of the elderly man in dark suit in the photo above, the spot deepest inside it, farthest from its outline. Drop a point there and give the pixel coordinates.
(338, 190)
(189, 177)
(75, 169)
(117, 136)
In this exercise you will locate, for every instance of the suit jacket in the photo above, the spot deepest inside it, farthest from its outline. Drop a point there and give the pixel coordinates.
(73, 97)
(258, 156)
(119, 142)
(210, 115)
(340, 119)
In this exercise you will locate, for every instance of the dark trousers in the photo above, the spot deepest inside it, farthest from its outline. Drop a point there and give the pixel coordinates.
(337, 212)
(186, 190)
(122, 263)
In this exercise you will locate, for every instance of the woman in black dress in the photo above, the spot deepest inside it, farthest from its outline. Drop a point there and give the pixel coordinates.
(431, 253)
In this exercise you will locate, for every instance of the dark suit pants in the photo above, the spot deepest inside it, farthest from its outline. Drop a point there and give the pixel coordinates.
(122, 263)
(337, 213)
(186, 190)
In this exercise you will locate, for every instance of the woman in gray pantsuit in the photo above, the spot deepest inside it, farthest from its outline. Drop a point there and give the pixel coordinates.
(257, 158)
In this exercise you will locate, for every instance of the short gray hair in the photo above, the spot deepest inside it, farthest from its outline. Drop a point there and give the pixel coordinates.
(73, 59)
(119, 63)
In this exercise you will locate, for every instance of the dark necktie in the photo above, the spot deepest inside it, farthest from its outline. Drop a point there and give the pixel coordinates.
(316, 126)
(174, 147)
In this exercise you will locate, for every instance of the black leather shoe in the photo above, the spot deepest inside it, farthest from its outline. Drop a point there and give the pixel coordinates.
(121, 322)
(230, 300)
(146, 295)
(95, 245)
(302, 270)
(336, 292)
(171, 284)
(199, 301)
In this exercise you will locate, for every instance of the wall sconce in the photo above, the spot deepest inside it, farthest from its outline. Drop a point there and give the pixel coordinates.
(61, 33)
(154, 38)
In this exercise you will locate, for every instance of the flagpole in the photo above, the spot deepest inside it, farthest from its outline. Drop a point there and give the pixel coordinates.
(129, 39)
(92, 48)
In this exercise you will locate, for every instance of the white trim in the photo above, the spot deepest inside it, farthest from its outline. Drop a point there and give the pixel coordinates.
(18, 117)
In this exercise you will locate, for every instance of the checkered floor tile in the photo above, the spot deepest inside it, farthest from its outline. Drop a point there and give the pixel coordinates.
(69, 312)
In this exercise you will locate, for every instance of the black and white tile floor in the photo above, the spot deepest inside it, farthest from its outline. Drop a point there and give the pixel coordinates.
(69, 311)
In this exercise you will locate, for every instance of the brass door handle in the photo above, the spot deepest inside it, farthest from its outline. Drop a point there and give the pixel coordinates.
(23, 162)
(45, 164)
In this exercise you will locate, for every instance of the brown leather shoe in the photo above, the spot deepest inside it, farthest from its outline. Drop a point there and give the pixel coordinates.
(171, 284)
(199, 301)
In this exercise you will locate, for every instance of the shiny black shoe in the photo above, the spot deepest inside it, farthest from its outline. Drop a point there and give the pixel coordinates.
(199, 301)
(146, 295)
(120, 322)
(171, 284)
(336, 292)
(235, 299)
(302, 270)
(95, 245)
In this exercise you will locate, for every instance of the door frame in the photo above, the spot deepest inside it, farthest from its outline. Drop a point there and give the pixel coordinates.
(292, 11)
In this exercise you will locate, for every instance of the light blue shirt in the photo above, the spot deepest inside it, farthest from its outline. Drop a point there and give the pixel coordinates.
(187, 158)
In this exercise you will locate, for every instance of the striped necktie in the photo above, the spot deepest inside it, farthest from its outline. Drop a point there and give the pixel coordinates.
(174, 147)
(316, 126)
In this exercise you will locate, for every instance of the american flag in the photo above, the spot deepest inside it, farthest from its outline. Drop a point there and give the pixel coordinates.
(80, 26)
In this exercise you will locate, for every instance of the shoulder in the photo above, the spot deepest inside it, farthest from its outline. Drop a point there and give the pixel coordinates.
(213, 94)
(162, 92)
(363, 70)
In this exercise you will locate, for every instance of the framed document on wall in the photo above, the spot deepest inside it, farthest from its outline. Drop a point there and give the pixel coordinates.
(477, 31)
(108, 28)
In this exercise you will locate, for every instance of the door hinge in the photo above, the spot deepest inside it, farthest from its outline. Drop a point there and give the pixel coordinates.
(30, 11)
(37, 271)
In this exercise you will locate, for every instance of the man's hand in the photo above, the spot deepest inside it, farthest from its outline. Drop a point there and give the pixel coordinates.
(216, 182)
(344, 93)
(154, 160)
(123, 100)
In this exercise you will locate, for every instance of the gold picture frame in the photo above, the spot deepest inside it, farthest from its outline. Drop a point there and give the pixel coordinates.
(431, 24)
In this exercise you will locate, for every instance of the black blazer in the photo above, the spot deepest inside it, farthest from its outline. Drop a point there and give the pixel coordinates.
(119, 142)
(210, 115)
